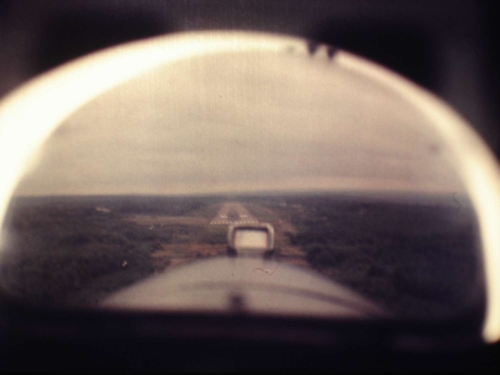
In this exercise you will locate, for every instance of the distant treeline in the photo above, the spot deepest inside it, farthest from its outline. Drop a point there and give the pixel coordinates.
(140, 204)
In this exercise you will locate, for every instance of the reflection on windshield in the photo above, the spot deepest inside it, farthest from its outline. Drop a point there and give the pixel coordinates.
(149, 176)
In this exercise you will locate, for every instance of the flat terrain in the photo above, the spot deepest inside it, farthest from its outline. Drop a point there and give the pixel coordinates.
(417, 259)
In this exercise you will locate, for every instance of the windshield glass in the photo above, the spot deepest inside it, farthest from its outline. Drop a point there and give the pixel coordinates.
(150, 175)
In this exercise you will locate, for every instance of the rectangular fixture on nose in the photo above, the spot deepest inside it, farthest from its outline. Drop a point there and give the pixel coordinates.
(250, 239)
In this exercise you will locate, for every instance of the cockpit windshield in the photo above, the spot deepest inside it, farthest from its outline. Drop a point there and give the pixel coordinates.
(145, 180)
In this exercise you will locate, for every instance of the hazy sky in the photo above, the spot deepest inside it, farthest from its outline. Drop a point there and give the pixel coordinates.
(242, 122)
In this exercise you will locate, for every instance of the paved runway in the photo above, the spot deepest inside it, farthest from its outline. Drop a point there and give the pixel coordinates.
(233, 213)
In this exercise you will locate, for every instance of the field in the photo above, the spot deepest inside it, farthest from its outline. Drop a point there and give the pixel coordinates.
(416, 258)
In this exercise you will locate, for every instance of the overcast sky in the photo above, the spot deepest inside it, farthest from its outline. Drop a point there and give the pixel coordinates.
(245, 122)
